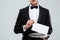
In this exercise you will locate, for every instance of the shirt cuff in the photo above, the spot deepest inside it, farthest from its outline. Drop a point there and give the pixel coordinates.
(24, 29)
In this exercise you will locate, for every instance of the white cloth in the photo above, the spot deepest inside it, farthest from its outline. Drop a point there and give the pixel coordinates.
(40, 28)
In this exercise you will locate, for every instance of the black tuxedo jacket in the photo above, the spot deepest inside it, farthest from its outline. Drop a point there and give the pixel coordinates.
(23, 17)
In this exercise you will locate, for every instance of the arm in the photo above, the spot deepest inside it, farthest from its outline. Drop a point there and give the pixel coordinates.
(18, 25)
(48, 23)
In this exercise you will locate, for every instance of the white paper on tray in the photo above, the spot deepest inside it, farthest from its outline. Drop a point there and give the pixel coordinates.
(40, 28)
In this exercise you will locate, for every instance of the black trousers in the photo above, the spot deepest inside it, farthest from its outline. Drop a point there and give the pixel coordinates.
(30, 38)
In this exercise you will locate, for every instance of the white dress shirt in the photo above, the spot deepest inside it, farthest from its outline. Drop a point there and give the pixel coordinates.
(33, 13)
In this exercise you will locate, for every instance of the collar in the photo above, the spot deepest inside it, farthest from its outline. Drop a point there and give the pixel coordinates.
(32, 5)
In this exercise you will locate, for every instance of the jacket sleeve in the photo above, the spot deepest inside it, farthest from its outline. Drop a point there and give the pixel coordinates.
(18, 25)
(48, 23)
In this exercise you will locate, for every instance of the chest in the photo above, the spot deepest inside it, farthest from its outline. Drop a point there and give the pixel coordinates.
(41, 18)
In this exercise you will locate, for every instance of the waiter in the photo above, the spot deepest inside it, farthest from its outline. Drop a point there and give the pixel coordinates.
(34, 13)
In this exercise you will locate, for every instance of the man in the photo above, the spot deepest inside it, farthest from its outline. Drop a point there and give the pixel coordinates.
(28, 16)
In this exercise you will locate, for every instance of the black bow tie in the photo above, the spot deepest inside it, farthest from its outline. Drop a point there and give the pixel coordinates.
(34, 7)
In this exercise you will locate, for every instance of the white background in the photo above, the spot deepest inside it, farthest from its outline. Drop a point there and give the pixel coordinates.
(9, 10)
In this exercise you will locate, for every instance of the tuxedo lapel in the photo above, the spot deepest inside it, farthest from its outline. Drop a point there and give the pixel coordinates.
(39, 17)
(27, 13)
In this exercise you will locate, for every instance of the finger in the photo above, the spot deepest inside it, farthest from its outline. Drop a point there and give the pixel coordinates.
(29, 23)
(32, 21)
(43, 36)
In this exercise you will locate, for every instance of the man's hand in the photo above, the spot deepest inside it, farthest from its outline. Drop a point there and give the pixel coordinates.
(43, 37)
(29, 24)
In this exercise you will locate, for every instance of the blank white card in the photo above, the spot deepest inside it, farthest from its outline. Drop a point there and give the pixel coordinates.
(40, 28)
